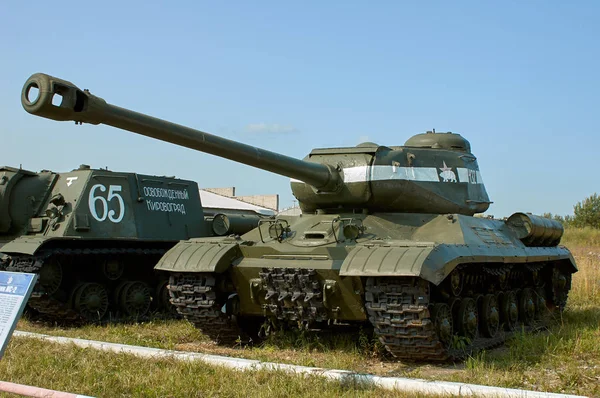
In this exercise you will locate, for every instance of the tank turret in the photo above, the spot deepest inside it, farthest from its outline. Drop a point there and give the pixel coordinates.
(432, 173)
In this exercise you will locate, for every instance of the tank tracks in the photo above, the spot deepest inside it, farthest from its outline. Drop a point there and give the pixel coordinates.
(401, 315)
(398, 310)
(402, 312)
(42, 303)
(47, 305)
(293, 296)
(199, 300)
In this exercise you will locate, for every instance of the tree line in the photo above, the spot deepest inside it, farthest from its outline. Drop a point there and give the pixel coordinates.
(585, 214)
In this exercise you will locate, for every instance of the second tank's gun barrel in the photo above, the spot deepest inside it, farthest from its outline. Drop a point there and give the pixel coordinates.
(83, 107)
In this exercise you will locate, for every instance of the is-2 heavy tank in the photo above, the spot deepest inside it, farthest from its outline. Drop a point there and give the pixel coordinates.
(387, 237)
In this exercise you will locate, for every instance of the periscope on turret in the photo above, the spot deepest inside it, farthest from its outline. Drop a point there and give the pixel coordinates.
(387, 237)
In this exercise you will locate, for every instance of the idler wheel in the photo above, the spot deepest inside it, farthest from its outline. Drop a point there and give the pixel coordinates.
(442, 321)
(456, 283)
(466, 318)
(51, 275)
(112, 269)
(489, 315)
(134, 298)
(509, 310)
(526, 306)
(90, 300)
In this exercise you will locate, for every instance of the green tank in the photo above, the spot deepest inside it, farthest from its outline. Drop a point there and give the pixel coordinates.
(94, 236)
(387, 237)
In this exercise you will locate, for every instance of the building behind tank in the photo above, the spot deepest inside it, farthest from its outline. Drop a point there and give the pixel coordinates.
(270, 202)
(228, 214)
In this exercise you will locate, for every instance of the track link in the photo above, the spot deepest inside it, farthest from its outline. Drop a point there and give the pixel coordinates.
(293, 295)
(398, 310)
(197, 298)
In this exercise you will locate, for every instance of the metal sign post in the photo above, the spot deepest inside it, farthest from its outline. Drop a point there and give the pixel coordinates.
(15, 289)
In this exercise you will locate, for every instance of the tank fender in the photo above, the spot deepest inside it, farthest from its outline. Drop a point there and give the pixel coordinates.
(26, 244)
(200, 255)
(389, 258)
(435, 262)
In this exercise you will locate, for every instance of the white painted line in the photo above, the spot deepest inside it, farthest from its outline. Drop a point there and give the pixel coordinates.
(30, 391)
(390, 383)
(419, 174)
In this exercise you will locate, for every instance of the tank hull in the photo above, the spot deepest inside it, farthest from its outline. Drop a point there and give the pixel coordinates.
(422, 281)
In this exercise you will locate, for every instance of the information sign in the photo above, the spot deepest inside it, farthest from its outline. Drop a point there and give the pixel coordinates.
(15, 289)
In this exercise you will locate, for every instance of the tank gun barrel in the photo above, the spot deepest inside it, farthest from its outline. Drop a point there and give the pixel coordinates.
(83, 107)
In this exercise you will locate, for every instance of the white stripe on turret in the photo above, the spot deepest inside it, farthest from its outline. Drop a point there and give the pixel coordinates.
(419, 174)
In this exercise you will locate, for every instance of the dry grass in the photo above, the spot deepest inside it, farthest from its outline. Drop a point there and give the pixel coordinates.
(584, 243)
(585, 291)
(564, 359)
(581, 238)
(100, 374)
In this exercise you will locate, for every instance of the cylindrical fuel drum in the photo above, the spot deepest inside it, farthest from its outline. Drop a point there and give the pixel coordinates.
(238, 224)
(535, 230)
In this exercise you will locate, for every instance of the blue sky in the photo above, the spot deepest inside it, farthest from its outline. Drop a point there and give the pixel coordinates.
(518, 79)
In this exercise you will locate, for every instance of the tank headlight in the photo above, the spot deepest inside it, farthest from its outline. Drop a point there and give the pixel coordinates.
(351, 231)
(276, 230)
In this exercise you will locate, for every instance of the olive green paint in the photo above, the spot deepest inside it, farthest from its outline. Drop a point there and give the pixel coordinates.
(44, 207)
(370, 210)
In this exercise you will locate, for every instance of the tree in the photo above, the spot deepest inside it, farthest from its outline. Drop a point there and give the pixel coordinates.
(566, 221)
(587, 212)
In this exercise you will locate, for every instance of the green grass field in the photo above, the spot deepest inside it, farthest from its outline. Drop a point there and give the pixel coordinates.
(564, 359)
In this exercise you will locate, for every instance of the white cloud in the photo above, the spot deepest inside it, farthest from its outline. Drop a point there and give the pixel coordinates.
(270, 128)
